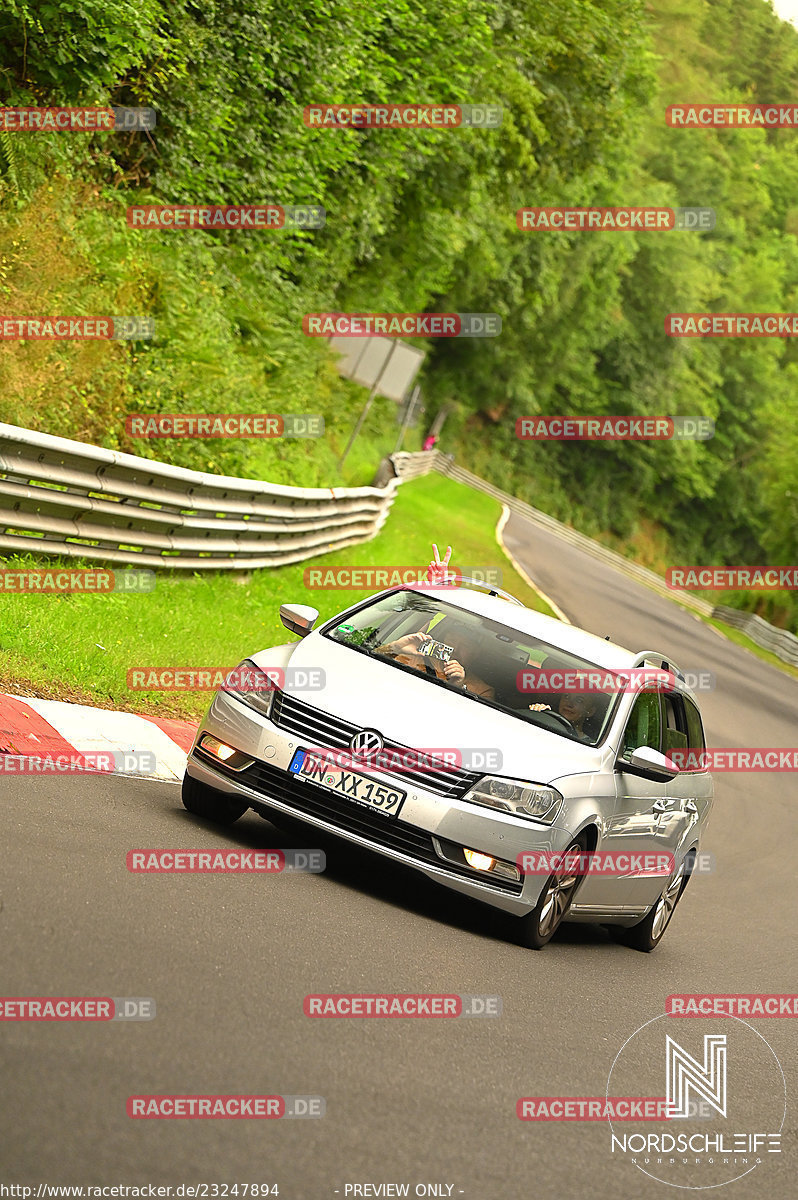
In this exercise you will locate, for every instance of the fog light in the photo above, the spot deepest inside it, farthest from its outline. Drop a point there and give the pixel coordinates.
(480, 862)
(236, 760)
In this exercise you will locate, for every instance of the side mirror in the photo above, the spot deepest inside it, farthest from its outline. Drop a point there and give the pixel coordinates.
(299, 618)
(648, 763)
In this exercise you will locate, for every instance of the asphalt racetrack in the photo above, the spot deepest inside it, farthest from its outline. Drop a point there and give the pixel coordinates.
(228, 960)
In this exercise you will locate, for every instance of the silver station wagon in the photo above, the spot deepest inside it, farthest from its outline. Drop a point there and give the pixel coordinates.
(451, 729)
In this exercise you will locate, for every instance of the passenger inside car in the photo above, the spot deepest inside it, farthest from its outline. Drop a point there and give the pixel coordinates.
(593, 723)
(461, 667)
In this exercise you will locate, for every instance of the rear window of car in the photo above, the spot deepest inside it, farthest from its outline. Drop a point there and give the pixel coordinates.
(502, 666)
(695, 729)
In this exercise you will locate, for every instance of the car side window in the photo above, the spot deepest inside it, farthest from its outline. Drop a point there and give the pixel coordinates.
(676, 735)
(695, 730)
(644, 725)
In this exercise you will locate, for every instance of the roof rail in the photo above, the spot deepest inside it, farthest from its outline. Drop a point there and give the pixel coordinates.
(490, 588)
(662, 661)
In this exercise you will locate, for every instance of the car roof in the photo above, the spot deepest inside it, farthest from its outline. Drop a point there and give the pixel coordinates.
(548, 629)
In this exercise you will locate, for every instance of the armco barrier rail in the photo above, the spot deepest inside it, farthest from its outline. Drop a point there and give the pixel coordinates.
(71, 499)
(406, 465)
(780, 642)
(67, 498)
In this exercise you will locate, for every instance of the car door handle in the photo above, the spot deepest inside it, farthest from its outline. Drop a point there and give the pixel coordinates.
(665, 804)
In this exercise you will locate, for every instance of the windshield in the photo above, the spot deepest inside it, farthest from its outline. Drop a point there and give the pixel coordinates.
(483, 659)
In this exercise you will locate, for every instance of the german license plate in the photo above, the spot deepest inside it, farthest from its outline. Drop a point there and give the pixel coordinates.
(343, 782)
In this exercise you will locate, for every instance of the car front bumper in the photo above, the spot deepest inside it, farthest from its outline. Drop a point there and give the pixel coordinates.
(428, 835)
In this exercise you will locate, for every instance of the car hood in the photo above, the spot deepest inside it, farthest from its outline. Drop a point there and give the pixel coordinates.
(407, 708)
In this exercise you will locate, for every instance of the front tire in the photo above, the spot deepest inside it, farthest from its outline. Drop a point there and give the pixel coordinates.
(648, 933)
(206, 802)
(537, 928)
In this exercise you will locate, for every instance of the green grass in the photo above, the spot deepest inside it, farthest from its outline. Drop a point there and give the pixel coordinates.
(80, 648)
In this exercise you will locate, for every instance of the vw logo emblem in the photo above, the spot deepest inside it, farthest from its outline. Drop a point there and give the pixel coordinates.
(366, 743)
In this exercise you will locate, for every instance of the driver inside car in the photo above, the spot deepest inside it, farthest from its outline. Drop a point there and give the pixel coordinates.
(458, 670)
(576, 707)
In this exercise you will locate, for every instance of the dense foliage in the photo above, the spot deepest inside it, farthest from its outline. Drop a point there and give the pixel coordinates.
(422, 220)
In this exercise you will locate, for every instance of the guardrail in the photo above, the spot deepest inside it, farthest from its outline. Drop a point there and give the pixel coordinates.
(406, 465)
(410, 466)
(780, 642)
(65, 498)
(70, 499)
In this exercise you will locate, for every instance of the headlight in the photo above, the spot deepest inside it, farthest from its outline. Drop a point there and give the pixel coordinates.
(252, 686)
(515, 796)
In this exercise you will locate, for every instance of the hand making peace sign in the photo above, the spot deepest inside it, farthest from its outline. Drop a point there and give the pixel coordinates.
(437, 571)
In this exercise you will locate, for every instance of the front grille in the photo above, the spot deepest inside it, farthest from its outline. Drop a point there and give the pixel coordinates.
(308, 799)
(320, 729)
